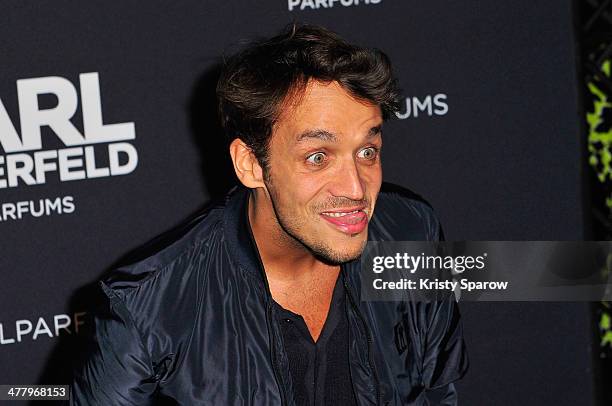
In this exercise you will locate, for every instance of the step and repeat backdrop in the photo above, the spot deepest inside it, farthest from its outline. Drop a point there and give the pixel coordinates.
(109, 138)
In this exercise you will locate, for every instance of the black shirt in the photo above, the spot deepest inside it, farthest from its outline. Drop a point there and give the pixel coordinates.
(319, 370)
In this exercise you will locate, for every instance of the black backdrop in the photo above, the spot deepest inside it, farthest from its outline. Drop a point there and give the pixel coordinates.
(490, 136)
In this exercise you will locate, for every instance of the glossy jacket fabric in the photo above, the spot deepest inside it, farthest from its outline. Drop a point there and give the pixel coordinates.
(194, 324)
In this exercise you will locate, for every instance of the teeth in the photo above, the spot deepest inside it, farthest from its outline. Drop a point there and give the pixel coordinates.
(340, 214)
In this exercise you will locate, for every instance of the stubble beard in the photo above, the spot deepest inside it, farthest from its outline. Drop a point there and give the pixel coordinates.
(292, 232)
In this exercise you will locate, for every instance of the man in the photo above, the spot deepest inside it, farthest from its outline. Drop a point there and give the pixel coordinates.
(259, 303)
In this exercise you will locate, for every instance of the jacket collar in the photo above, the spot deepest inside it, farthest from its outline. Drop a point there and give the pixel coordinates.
(239, 235)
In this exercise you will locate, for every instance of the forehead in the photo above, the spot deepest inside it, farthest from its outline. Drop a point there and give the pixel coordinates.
(326, 106)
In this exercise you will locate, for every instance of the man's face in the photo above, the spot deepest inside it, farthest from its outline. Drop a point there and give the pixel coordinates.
(325, 171)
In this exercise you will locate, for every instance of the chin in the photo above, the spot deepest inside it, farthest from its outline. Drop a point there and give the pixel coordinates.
(331, 253)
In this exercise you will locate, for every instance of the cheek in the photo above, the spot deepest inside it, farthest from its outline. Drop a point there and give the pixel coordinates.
(377, 173)
(307, 193)
(294, 194)
(373, 176)
(374, 182)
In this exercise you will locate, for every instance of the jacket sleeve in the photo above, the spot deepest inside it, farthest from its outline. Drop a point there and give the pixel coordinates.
(117, 370)
(443, 396)
(445, 357)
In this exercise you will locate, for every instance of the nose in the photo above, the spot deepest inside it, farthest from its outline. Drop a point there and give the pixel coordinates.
(348, 181)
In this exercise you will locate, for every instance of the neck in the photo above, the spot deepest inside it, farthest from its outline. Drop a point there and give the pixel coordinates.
(284, 258)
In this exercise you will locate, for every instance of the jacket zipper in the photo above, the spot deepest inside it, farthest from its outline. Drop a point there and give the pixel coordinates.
(369, 339)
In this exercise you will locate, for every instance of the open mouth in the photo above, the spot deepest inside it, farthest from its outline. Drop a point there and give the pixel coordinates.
(348, 221)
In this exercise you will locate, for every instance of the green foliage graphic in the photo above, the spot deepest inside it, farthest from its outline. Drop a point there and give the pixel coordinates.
(605, 329)
(600, 135)
(600, 158)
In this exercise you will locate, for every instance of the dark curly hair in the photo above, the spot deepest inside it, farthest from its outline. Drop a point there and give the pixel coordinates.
(256, 81)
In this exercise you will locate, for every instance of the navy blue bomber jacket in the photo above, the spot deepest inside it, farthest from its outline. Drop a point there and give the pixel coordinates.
(194, 323)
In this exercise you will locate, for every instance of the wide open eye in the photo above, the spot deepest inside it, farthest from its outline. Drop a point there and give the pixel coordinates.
(368, 153)
(318, 158)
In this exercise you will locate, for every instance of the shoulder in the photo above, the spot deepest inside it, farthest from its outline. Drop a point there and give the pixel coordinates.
(402, 215)
(169, 258)
(160, 293)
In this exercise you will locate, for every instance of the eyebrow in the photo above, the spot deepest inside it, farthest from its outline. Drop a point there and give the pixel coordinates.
(374, 131)
(325, 135)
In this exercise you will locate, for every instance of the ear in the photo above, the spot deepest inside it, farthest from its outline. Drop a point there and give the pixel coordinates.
(247, 168)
